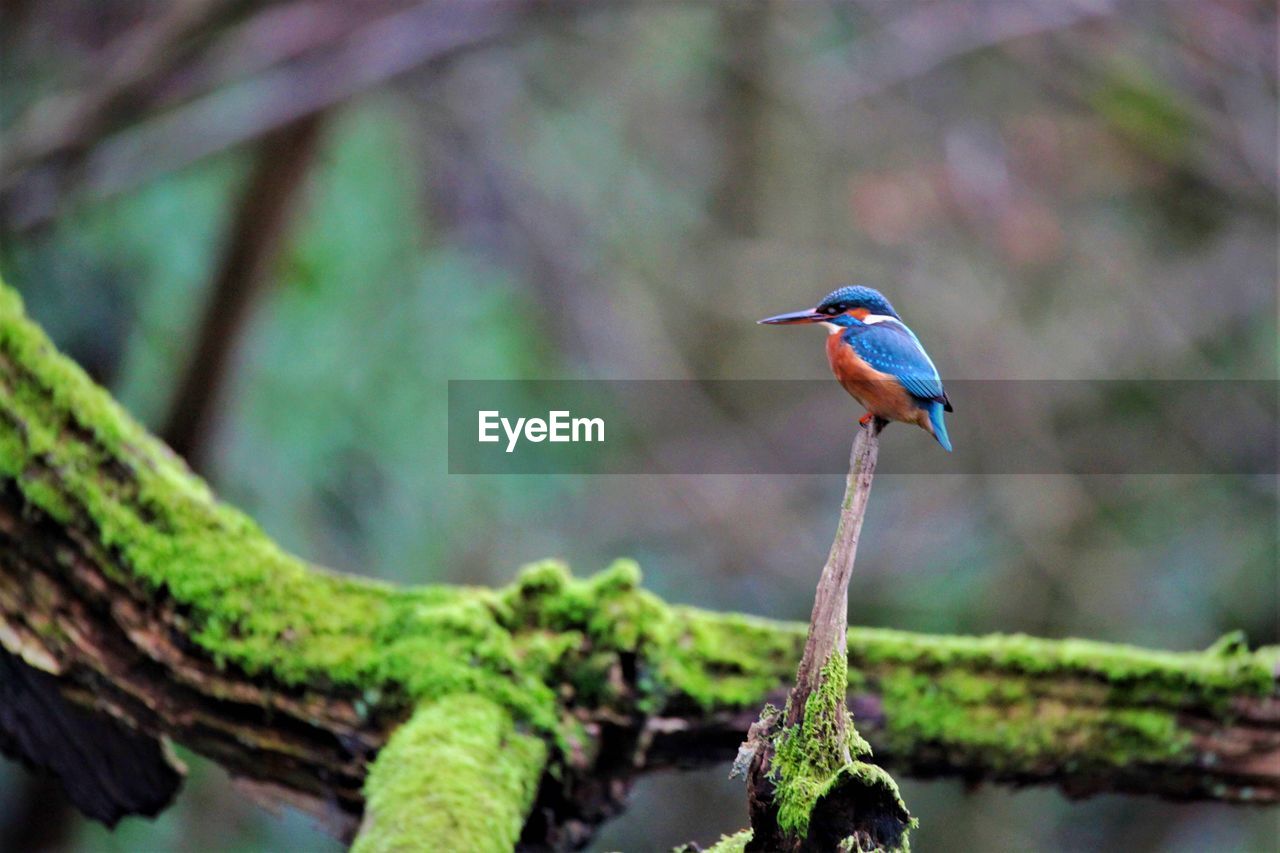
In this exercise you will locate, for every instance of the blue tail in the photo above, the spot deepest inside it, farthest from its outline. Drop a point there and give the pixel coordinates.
(939, 425)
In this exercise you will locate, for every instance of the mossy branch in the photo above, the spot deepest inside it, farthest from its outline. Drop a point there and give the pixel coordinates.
(458, 775)
(811, 785)
(158, 612)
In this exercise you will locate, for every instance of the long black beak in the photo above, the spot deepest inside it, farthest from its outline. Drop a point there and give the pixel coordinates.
(808, 316)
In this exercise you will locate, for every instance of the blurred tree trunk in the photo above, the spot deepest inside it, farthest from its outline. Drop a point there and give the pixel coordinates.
(737, 121)
(257, 233)
(738, 117)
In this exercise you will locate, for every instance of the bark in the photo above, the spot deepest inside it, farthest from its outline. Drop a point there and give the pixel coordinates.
(829, 622)
(107, 770)
(162, 615)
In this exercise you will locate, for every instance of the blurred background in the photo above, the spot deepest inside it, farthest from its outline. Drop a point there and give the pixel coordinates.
(275, 231)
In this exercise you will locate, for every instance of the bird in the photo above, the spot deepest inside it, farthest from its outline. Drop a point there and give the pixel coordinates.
(878, 359)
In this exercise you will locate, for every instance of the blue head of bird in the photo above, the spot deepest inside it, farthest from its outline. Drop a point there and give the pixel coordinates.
(842, 307)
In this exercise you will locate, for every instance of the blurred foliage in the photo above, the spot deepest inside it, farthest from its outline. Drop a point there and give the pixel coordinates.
(619, 193)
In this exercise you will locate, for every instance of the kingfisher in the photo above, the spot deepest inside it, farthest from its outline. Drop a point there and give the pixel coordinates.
(878, 359)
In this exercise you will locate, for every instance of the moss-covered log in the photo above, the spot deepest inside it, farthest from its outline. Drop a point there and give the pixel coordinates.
(166, 615)
(459, 775)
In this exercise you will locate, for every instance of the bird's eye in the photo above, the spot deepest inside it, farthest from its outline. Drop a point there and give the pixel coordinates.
(830, 309)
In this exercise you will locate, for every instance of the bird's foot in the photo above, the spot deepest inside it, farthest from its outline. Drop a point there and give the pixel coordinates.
(865, 419)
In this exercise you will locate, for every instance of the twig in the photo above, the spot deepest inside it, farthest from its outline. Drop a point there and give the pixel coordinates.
(69, 122)
(829, 622)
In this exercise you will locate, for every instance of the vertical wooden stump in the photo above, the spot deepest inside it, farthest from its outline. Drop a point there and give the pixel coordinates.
(807, 785)
(829, 622)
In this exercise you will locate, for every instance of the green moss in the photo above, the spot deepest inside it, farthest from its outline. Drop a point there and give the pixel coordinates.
(76, 455)
(1132, 675)
(720, 659)
(73, 452)
(263, 610)
(735, 843)
(458, 773)
(999, 722)
(823, 753)
(610, 609)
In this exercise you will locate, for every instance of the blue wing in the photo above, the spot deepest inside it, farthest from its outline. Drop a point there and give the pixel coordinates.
(890, 347)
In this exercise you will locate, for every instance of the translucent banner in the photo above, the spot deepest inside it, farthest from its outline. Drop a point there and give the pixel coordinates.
(805, 427)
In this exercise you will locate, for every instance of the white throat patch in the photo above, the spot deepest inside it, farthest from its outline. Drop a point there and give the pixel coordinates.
(870, 320)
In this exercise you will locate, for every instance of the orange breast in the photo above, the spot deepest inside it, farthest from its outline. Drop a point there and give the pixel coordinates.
(880, 393)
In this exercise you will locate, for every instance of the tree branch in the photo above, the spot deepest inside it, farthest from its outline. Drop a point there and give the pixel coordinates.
(828, 624)
(64, 124)
(107, 770)
(150, 605)
(35, 183)
(810, 786)
(459, 773)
